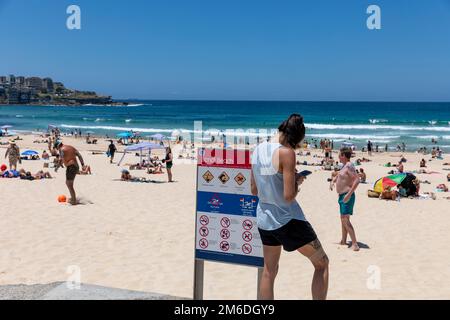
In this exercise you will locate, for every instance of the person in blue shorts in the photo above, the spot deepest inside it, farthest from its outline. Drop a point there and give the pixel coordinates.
(347, 180)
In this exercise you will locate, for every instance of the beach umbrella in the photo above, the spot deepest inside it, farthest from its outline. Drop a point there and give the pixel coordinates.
(6, 127)
(30, 153)
(389, 181)
(158, 136)
(140, 147)
(9, 134)
(347, 144)
(125, 135)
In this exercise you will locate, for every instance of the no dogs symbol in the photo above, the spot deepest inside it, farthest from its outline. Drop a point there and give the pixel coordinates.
(224, 246)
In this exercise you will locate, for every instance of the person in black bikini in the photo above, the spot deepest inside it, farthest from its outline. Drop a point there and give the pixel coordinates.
(169, 163)
(68, 157)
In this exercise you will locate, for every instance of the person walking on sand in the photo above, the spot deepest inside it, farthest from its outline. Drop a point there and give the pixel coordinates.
(68, 157)
(169, 163)
(346, 183)
(369, 148)
(281, 222)
(13, 155)
(111, 151)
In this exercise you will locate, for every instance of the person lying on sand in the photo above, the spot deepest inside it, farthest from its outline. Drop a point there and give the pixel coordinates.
(427, 195)
(26, 175)
(43, 175)
(126, 176)
(155, 170)
(10, 174)
(442, 188)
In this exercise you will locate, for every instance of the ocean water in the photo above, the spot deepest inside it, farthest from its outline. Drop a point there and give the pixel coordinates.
(415, 124)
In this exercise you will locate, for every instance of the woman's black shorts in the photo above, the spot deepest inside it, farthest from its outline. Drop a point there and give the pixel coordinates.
(292, 236)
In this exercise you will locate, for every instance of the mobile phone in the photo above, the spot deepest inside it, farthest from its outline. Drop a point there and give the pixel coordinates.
(303, 174)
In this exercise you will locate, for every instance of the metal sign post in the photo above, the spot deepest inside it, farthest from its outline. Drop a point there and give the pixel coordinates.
(226, 227)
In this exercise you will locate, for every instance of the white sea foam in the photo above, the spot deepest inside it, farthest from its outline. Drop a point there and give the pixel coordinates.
(432, 137)
(373, 121)
(320, 126)
(210, 132)
(352, 136)
(128, 120)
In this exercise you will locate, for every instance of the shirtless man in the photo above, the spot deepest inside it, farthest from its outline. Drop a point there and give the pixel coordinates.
(346, 183)
(68, 157)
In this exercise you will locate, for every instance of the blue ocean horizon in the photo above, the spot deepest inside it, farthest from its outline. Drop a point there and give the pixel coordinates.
(414, 123)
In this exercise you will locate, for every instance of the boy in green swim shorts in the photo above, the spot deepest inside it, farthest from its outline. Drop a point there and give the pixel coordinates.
(347, 180)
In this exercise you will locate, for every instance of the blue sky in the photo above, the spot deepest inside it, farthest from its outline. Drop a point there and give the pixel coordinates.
(234, 49)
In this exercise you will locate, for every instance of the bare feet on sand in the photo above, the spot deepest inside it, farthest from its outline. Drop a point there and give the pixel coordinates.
(355, 247)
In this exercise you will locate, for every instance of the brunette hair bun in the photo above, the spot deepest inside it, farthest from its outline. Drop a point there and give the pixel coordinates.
(293, 129)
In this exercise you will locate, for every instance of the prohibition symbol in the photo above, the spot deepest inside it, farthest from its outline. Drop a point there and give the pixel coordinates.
(246, 248)
(204, 220)
(247, 225)
(204, 231)
(247, 236)
(225, 222)
(203, 243)
(224, 246)
(225, 234)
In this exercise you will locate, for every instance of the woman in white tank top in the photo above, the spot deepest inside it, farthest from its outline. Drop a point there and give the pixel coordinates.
(281, 221)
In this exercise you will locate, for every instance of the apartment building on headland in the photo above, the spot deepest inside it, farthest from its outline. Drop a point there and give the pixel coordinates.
(36, 90)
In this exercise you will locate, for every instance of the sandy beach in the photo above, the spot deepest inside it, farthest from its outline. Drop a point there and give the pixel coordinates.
(140, 236)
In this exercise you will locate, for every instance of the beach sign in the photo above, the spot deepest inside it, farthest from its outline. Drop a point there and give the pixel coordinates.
(225, 227)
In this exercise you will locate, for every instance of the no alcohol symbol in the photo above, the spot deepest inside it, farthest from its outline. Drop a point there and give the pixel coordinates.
(204, 231)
